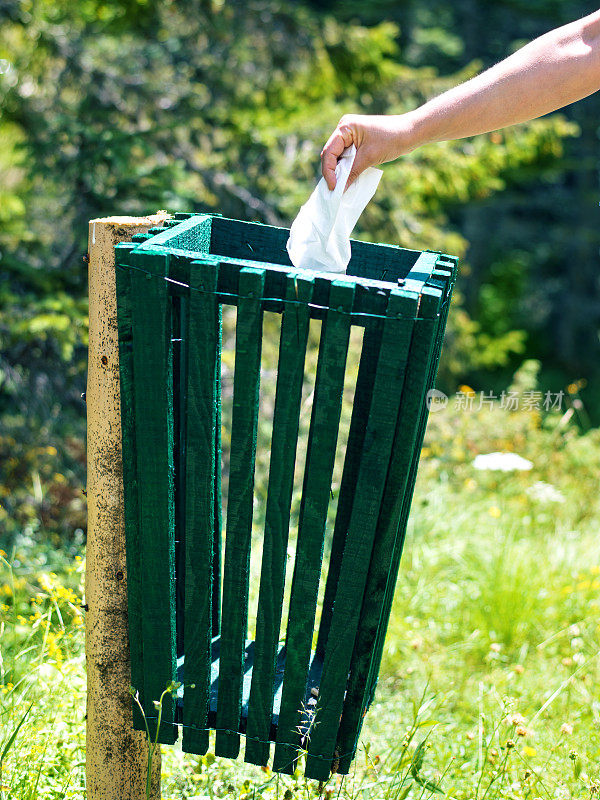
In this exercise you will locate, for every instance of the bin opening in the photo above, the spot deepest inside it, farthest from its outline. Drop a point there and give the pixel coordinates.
(252, 241)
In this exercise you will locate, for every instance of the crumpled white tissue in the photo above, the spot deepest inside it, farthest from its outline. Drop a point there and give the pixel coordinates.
(320, 234)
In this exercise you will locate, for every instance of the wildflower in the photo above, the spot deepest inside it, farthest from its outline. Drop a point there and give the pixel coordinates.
(495, 647)
(519, 669)
(566, 728)
(494, 511)
(504, 462)
(510, 744)
(545, 493)
(515, 719)
(573, 755)
(521, 730)
(529, 751)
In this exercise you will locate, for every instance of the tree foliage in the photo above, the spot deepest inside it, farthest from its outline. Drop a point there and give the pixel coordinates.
(125, 106)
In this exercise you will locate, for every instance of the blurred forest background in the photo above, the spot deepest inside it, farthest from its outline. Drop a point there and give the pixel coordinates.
(126, 106)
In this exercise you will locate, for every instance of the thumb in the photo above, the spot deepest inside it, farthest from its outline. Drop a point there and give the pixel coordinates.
(359, 165)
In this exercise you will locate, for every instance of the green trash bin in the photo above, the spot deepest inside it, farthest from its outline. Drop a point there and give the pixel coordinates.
(188, 580)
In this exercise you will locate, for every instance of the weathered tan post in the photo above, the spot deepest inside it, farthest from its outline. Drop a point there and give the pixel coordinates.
(116, 756)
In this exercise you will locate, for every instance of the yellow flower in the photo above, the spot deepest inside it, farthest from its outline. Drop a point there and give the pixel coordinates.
(529, 751)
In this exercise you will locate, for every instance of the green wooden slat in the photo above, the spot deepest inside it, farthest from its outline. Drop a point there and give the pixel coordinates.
(380, 426)
(130, 484)
(288, 398)
(375, 611)
(354, 448)
(201, 413)
(239, 509)
(217, 521)
(151, 318)
(179, 305)
(318, 471)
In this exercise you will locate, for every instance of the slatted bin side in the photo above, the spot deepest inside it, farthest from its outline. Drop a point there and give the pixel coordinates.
(130, 482)
(284, 441)
(322, 440)
(148, 439)
(380, 424)
(387, 548)
(434, 309)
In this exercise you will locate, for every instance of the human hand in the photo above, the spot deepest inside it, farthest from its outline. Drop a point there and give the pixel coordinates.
(377, 139)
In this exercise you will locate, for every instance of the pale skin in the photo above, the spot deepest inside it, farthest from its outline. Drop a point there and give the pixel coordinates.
(551, 72)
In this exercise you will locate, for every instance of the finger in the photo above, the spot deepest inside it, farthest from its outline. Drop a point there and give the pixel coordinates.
(339, 140)
(359, 165)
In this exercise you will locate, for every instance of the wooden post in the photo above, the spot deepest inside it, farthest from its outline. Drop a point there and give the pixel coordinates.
(116, 755)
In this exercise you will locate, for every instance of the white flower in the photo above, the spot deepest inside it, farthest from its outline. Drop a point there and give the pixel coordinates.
(545, 493)
(506, 462)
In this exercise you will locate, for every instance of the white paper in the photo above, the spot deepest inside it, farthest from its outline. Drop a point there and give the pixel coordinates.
(320, 234)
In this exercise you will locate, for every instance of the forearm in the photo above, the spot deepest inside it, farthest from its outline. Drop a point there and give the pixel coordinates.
(552, 71)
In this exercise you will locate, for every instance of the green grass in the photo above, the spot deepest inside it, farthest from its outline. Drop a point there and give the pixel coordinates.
(491, 658)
